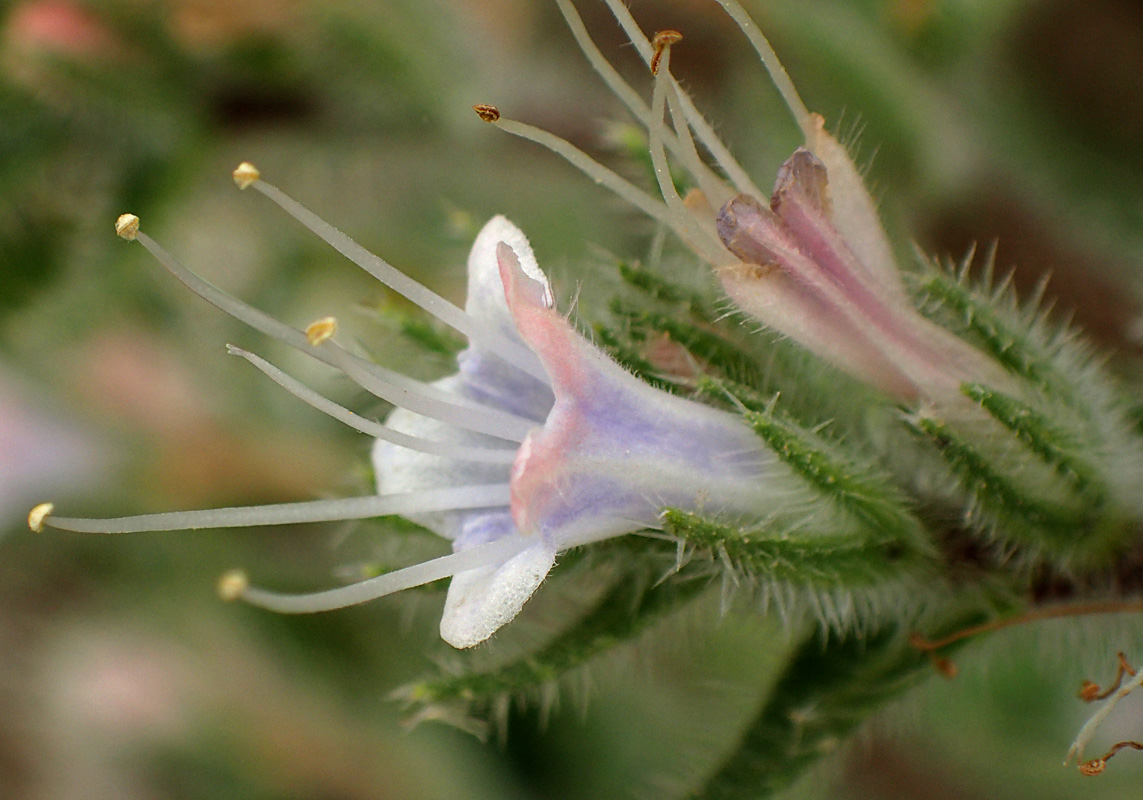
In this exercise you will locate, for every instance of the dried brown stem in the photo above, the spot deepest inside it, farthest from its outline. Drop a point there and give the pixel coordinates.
(1057, 612)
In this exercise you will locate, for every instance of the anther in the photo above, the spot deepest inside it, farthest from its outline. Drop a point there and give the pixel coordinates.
(37, 515)
(245, 174)
(663, 40)
(127, 227)
(321, 330)
(233, 585)
(486, 112)
(1089, 692)
(1092, 768)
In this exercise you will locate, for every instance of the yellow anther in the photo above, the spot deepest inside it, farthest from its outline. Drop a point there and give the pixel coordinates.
(324, 328)
(486, 112)
(37, 515)
(245, 174)
(233, 585)
(127, 227)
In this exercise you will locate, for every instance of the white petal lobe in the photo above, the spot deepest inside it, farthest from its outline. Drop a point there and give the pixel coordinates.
(480, 601)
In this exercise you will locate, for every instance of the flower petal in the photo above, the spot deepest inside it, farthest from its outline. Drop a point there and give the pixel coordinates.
(615, 451)
(481, 601)
(487, 378)
(481, 377)
(485, 290)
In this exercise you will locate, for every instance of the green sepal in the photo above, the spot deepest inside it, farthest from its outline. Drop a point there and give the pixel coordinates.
(859, 491)
(1006, 342)
(1077, 529)
(1041, 436)
(805, 560)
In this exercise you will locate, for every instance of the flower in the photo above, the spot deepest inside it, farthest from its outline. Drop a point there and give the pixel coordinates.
(537, 444)
(607, 454)
(799, 272)
(817, 266)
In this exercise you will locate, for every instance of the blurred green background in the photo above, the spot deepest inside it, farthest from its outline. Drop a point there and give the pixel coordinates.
(122, 676)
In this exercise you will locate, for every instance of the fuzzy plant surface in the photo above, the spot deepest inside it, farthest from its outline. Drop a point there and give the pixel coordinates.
(891, 456)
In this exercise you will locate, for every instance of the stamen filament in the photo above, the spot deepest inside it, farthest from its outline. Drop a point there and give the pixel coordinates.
(716, 191)
(682, 221)
(495, 552)
(589, 166)
(1084, 737)
(389, 385)
(369, 427)
(431, 500)
(722, 156)
(634, 103)
(489, 421)
(494, 341)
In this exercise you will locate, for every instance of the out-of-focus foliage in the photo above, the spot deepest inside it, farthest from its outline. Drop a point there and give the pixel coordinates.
(121, 675)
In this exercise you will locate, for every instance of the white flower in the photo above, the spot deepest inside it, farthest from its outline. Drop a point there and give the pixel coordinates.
(607, 453)
(537, 444)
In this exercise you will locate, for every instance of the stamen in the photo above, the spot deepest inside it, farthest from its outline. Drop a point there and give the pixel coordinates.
(629, 97)
(245, 174)
(431, 500)
(773, 66)
(1092, 725)
(369, 427)
(701, 241)
(127, 227)
(386, 384)
(37, 516)
(497, 343)
(232, 585)
(481, 419)
(716, 191)
(495, 552)
(662, 41)
(321, 330)
(589, 166)
(722, 156)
